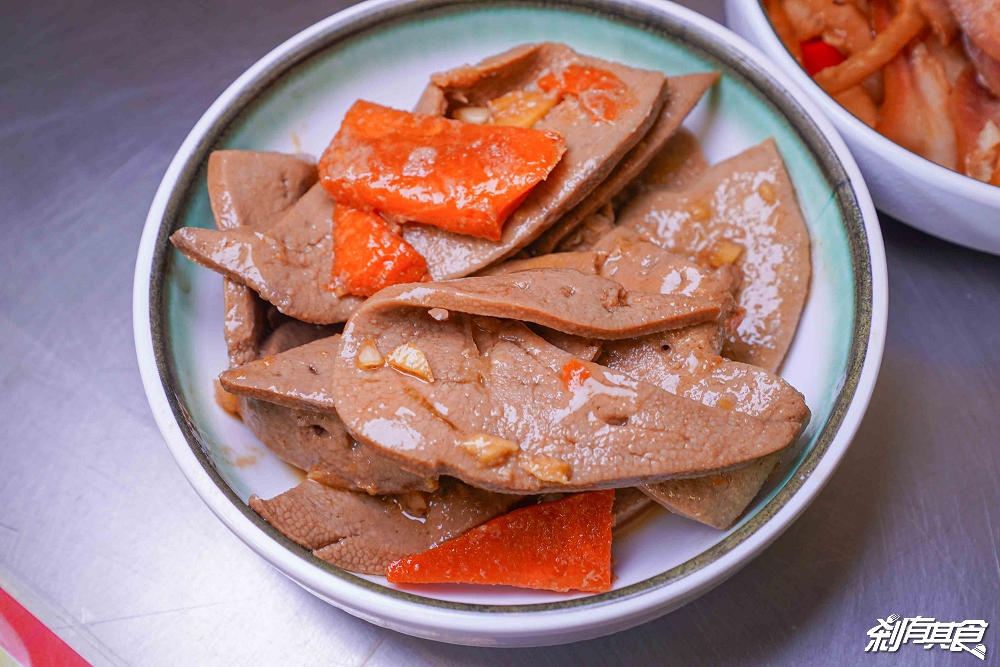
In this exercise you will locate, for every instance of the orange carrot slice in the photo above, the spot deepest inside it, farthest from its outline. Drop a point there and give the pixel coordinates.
(368, 255)
(600, 92)
(557, 546)
(461, 177)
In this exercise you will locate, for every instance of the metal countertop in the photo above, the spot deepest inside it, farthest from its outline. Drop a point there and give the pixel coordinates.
(102, 537)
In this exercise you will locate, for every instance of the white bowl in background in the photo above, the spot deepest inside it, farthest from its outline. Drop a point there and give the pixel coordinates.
(921, 193)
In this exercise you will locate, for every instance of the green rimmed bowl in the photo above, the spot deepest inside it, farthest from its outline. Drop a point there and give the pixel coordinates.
(293, 99)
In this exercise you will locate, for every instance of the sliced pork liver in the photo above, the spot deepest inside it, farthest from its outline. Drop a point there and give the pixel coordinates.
(647, 268)
(624, 257)
(317, 443)
(629, 503)
(251, 189)
(587, 349)
(290, 266)
(687, 363)
(496, 377)
(684, 93)
(289, 408)
(592, 148)
(584, 261)
(245, 323)
(748, 200)
(562, 299)
(716, 500)
(363, 533)
(679, 165)
(292, 334)
(590, 229)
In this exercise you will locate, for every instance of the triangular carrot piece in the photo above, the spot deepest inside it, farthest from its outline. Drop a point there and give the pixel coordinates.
(557, 546)
(369, 256)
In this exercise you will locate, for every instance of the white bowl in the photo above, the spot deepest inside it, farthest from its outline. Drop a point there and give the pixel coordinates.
(293, 99)
(908, 187)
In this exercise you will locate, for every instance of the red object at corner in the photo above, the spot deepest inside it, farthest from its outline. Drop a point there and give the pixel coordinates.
(817, 55)
(25, 639)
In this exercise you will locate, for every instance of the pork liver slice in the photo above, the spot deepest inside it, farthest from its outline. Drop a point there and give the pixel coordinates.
(296, 378)
(313, 441)
(363, 533)
(588, 232)
(562, 299)
(244, 326)
(687, 363)
(748, 199)
(689, 366)
(292, 334)
(584, 261)
(592, 149)
(623, 256)
(251, 189)
(290, 266)
(498, 378)
(679, 165)
(289, 408)
(684, 93)
(318, 443)
(629, 503)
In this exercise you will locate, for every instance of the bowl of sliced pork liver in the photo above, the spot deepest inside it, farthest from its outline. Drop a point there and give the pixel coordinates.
(576, 311)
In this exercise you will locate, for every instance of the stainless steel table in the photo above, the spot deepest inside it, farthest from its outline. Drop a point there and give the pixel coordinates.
(102, 537)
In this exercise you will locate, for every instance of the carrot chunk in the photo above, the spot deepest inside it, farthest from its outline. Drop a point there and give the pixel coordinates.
(461, 177)
(556, 546)
(368, 255)
(600, 92)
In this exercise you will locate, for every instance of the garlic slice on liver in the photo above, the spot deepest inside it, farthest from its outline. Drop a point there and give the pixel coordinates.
(409, 359)
(490, 449)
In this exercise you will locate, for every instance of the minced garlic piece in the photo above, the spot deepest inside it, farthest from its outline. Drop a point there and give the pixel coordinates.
(489, 449)
(409, 359)
(549, 469)
(722, 253)
(699, 211)
(521, 108)
(413, 503)
(472, 115)
(766, 192)
(368, 356)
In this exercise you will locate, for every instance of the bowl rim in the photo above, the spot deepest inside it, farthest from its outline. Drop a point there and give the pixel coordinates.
(403, 610)
(913, 164)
